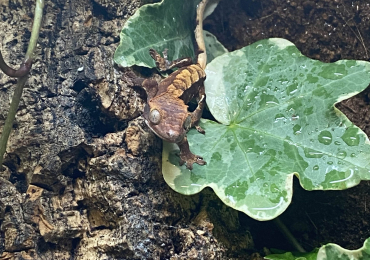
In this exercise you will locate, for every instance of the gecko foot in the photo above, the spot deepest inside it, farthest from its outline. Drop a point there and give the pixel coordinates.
(200, 130)
(190, 159)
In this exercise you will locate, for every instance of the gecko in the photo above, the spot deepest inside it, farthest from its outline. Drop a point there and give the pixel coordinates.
(166, 110)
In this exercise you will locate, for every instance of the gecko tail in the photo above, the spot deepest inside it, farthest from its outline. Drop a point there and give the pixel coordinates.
(202, 55)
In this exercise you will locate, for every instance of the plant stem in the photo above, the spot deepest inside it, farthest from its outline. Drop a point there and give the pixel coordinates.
(289, 235)
(22, 80)
(11, 115)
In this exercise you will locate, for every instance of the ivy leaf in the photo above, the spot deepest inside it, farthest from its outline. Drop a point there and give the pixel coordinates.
(166, 25)
(277, 119)
(327, 252)
(213, 46)
(294, 256)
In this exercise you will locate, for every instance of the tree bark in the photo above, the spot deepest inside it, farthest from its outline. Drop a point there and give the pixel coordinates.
(81, 176)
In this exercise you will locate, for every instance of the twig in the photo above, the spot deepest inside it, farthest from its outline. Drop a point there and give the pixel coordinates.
(359, 36)
(29, 57)
(22, 71)
(289, 235)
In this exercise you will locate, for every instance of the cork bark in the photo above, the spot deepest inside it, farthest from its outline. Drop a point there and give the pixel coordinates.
(81, 177)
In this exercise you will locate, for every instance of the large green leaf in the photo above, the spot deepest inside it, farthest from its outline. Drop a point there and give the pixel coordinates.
(327, 252)
(277, 119)
(166, 25)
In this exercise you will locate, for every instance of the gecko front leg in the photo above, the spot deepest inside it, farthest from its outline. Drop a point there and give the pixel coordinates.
(197, 113)
(186, 156)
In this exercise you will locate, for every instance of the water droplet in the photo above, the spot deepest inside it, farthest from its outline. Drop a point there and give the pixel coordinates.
(341, 154)
(316, 167)
(310, 153)
(291, 89)
(295, 117)
(330, 162)
(337, 143)
(246, 88)
(353, 154)
(297, 129)
(279, 117)
(268, 100)
(350, 137)
(325, 137)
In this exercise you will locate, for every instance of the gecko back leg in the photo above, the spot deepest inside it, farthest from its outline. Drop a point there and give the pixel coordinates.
(164, 64)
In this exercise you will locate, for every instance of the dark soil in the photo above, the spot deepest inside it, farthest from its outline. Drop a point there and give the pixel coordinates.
(327, 30)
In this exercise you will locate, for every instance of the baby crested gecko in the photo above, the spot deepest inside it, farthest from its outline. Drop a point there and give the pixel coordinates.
(166, 112)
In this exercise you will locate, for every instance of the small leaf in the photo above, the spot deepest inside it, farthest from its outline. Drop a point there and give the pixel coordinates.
(166, 25)
(294, 256)
(277, 119)
(213, 46)
(327, 252)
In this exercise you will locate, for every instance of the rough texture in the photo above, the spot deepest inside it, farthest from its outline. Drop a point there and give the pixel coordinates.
(82, 171)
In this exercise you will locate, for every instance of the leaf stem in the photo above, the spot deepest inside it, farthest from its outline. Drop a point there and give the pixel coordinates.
(288, 235)
(29, 57)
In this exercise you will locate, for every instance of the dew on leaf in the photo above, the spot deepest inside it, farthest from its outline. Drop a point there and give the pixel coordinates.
(268, 100)
(291, 89)
(330, 162)
(316, 167)
(297, 129)
(353, 155)
(352, 171)
(337, 143)
(325, 137)
(350, 137)
(310, 153)
(274, 188)
(341, 154)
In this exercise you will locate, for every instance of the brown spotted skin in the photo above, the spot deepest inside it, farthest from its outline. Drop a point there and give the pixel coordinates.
(169, 98)
(166, 112)
(174, 92)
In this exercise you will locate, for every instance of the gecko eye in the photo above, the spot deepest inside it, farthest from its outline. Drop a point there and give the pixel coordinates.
(187, 123)
(155, 116)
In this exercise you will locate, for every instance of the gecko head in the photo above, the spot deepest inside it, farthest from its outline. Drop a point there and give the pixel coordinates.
(168, 119)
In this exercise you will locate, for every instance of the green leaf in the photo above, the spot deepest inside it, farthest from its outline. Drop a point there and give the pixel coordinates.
(166, 25)
(294, 256)
(333, 251)
(213, 46)
(327, 252)
(277, 119)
